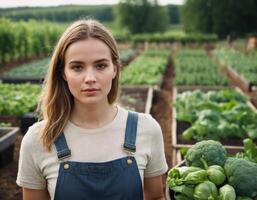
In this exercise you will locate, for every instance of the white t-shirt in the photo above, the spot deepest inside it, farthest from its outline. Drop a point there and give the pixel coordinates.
(38, 168)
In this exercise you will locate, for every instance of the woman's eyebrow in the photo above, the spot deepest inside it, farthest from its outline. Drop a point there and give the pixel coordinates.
(102, 60)
(97, 61)
(76, 62)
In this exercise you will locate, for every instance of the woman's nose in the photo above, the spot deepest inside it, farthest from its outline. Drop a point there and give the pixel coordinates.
(89, 76)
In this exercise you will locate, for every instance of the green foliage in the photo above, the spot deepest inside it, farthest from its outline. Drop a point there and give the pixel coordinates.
(180, 176)
(222, 117)
(245, 65)
(18, 99)
(174, 13)
(21, 40)
(4, 125)
(206, 190)
(141, 16)
(66, 13)
(146, 69)
(227, 192)
(36, 69)
(220, 17)
(211, 151)
(250, 151)
(194, 67)
(171, 36)
(174, 33)
(216, 174)
(232, 179)
(242, 176)
(7, 40)
(195, 177)
(196, 16)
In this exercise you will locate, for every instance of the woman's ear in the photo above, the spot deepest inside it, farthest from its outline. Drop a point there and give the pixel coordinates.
(114, 71)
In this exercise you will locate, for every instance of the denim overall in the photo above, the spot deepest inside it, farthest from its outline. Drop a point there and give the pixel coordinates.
(113, 180)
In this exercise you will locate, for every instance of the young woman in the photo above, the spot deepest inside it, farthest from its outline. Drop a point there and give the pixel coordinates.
(87, 147)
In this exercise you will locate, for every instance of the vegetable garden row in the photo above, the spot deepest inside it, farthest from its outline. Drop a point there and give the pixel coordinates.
(205, 106)
(223, 170)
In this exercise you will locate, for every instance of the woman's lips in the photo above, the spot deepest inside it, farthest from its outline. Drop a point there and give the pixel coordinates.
(90, 91)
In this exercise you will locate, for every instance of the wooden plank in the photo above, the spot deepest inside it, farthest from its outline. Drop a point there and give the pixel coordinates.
(174, 129)
(8, 138)
(149, 100)
(236, 79)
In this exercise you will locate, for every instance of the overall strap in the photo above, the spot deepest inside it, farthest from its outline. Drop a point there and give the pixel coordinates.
(62, 148)
(131, 132)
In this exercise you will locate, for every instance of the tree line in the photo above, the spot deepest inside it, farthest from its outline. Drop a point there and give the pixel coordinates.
(70, 13)
(222, 17)
(59, 14)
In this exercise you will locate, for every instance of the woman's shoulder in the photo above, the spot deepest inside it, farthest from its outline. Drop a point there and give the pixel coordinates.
(147, 121)
(32, 136)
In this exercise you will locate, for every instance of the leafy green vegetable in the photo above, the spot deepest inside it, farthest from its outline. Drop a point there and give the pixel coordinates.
(227, 192)
(195, 177)
(181, 197)
(194, 67)
(146, 69)
(250, 151)
(18, 99)
(185, 190)
(36, 69)
(211, 151)
(182, 175)
(245, 65)
(206, 191)
(216, 174)
(184, 171)
(242, 176)
(4, 124)
(222, 117)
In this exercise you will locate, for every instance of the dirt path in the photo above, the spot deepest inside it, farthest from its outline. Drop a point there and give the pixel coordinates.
(162, 112)
(8, 187)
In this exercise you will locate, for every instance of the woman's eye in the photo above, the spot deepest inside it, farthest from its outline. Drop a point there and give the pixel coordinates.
(76, 68)
(101, 66)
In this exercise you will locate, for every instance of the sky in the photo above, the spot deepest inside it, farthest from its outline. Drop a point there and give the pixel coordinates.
(31, 3)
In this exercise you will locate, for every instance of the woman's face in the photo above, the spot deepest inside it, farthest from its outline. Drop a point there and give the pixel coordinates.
(89, 71)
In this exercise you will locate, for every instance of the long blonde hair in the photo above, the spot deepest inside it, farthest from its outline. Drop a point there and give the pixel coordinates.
(56, 101)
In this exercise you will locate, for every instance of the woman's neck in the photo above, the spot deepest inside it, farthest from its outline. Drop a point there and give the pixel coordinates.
(93, 116)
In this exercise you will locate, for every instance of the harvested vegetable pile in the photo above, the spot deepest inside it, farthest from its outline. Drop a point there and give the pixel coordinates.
(210, 175)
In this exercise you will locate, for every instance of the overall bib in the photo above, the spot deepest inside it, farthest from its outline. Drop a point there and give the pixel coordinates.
(113, 180)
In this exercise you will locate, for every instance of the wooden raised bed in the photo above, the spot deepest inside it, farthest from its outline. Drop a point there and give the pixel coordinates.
(13, 120)
(7, 140)
(137, 98)
(240, 82)
(178, 127)
(24, 122)
(18, 80)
